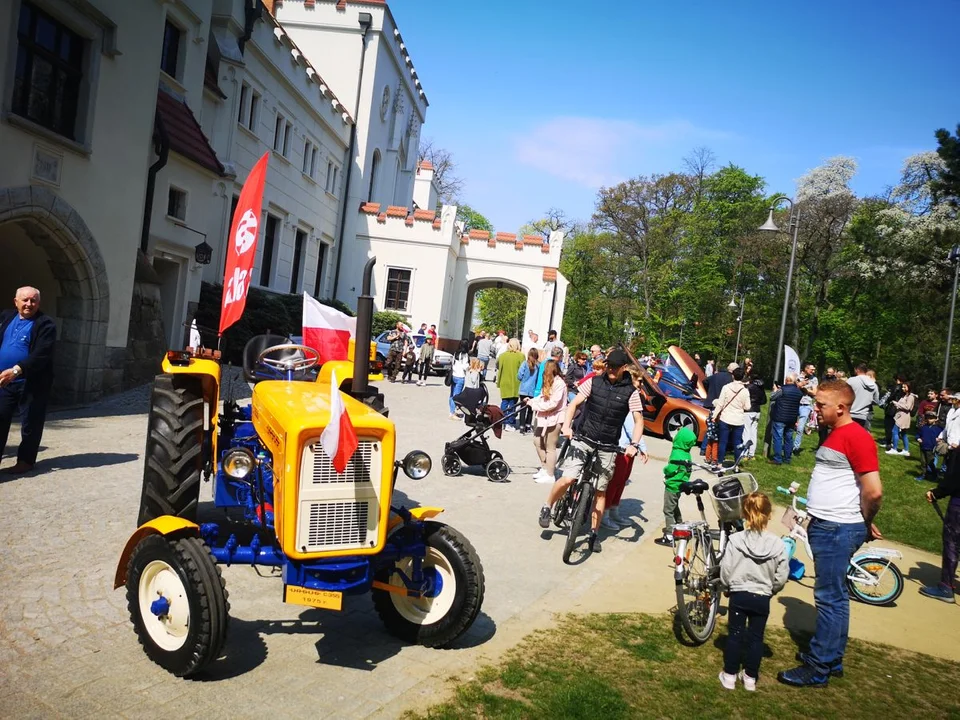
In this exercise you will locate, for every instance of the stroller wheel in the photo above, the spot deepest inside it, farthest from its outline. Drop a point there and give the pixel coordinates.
(498, 470)
(451, 465)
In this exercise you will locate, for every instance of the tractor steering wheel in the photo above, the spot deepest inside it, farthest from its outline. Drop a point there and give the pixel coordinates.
(307, 359)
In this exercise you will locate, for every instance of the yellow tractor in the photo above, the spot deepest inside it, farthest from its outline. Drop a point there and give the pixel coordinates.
(333, 534)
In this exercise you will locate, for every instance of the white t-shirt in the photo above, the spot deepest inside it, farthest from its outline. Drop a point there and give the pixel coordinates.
(834, 493)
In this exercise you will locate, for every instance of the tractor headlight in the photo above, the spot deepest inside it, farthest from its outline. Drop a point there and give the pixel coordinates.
(417, 464)
(238, 463)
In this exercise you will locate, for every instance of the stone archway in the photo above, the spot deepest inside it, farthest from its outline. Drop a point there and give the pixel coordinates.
(82, 305)
(485, 284)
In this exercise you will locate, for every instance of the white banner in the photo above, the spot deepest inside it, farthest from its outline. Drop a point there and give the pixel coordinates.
(791, 362)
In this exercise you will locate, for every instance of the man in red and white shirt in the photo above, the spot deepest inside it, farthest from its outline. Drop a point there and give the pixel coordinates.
(607, 400)
(843, 498)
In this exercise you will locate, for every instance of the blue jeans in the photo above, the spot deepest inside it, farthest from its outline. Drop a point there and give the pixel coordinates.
(782, 437)
(804, 415)
(833, 545)
(904, 435)
(455, 389)
(730, 438)
(507, 406)
(484, 361)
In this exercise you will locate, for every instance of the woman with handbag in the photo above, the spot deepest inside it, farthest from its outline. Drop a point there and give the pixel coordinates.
(734, 404)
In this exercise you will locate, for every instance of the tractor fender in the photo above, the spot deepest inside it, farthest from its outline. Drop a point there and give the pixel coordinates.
(419, 513)
(164, 525)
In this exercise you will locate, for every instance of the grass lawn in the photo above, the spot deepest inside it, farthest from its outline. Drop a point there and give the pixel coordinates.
(906, 516)
(628, 666)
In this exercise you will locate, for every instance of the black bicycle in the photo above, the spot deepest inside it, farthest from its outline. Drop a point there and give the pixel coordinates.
(575, 506)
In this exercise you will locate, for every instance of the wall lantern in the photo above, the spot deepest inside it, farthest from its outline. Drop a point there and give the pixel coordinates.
(203, 253)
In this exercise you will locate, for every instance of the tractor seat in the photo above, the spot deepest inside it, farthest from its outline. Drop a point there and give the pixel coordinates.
(251, 351)
(694, 487)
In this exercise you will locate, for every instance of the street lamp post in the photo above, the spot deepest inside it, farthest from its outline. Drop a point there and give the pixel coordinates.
(733, 304)
(771, 226)
(953, 257)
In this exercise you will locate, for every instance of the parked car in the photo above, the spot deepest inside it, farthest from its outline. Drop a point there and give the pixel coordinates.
(664, 415)
(441, 360)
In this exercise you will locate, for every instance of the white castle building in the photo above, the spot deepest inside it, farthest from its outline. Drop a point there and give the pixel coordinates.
(127, 129)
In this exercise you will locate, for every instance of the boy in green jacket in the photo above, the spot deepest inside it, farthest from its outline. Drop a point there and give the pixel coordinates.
(675, 472)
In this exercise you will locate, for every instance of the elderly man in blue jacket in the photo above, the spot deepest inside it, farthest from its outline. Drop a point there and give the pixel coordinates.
(27, 337)
(785, 409)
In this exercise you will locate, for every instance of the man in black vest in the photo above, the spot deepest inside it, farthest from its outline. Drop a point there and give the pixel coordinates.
(606, 400)
(27, 337)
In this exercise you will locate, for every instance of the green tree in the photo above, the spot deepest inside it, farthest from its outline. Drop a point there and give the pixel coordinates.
(472, 219)
(501, 308)
(947, 185)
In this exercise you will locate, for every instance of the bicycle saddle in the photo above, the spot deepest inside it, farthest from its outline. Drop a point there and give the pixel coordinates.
(694, 487)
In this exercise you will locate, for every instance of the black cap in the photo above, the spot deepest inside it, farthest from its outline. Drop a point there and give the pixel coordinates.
(617, 359)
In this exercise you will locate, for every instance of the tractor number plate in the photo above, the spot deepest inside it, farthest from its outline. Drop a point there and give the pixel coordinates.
(324, 599)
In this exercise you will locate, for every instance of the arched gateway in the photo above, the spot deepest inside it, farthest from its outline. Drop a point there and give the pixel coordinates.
(429, 269)
(47, 244)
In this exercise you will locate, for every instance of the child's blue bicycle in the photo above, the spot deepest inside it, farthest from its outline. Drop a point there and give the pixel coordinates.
(872, 577)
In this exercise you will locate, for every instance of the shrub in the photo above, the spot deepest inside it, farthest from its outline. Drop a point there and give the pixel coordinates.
(280, 313)
(384, 320)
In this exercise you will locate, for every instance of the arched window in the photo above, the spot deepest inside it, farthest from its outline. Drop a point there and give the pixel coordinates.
(374, 167)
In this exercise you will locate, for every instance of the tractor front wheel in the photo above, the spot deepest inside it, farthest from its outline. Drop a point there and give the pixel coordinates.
(452, 601)
(174, 453)
(177, 602)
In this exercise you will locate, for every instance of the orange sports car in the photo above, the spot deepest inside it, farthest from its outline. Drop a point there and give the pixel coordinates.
(664, 415)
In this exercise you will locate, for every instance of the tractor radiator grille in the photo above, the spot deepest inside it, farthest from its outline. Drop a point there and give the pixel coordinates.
(337, 523)
(357, 471)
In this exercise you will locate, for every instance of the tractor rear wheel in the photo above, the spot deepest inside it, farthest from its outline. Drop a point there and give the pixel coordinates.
(453, 602)
(174, 454)
(177, 602)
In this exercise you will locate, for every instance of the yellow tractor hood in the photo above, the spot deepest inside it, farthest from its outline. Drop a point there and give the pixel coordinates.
(304, 408)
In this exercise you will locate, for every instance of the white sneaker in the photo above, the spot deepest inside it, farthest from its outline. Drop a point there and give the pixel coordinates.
(905, 452)
(891, 451)
(749, 683)
(544, 478)
(729, 682)
(509, 428)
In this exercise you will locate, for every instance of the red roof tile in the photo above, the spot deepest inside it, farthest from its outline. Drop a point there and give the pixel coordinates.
(397, 211)
(409, 221)
(464, 239)
(186, 136)
(425, 165)
(545, 248)
(436, 224)
(533, 240)
(506, 237)
(480, 234)
(428, 215)
(491, 242)
(549, 274)
(370, 208)
(382, 218)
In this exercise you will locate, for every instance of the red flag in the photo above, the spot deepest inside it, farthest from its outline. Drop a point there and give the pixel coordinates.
(327, 330)
(339, 439)
(242, 248)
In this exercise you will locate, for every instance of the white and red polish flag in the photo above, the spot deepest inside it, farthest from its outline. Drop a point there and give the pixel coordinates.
(327, 330)
(339, 438)
(242, 249)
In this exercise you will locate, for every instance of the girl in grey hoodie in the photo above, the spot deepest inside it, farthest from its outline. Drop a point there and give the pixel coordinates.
(754, 567)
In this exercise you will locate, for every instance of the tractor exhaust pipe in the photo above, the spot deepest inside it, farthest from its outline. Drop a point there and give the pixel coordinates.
(361, 346)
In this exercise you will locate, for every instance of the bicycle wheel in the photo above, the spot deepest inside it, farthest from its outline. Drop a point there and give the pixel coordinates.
(698, 597)
(580, 516)
(560, 509)
(888, 576)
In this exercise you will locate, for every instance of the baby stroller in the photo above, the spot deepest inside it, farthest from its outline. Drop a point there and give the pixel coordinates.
(471, 448)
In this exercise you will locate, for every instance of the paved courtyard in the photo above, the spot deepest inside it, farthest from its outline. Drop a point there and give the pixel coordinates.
(67, 647)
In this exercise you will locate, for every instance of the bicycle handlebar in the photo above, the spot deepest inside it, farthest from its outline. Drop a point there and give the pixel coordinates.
(784, 491)
(597, 445)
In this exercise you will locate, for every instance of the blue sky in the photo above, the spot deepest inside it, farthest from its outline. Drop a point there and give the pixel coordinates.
(542, 102)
